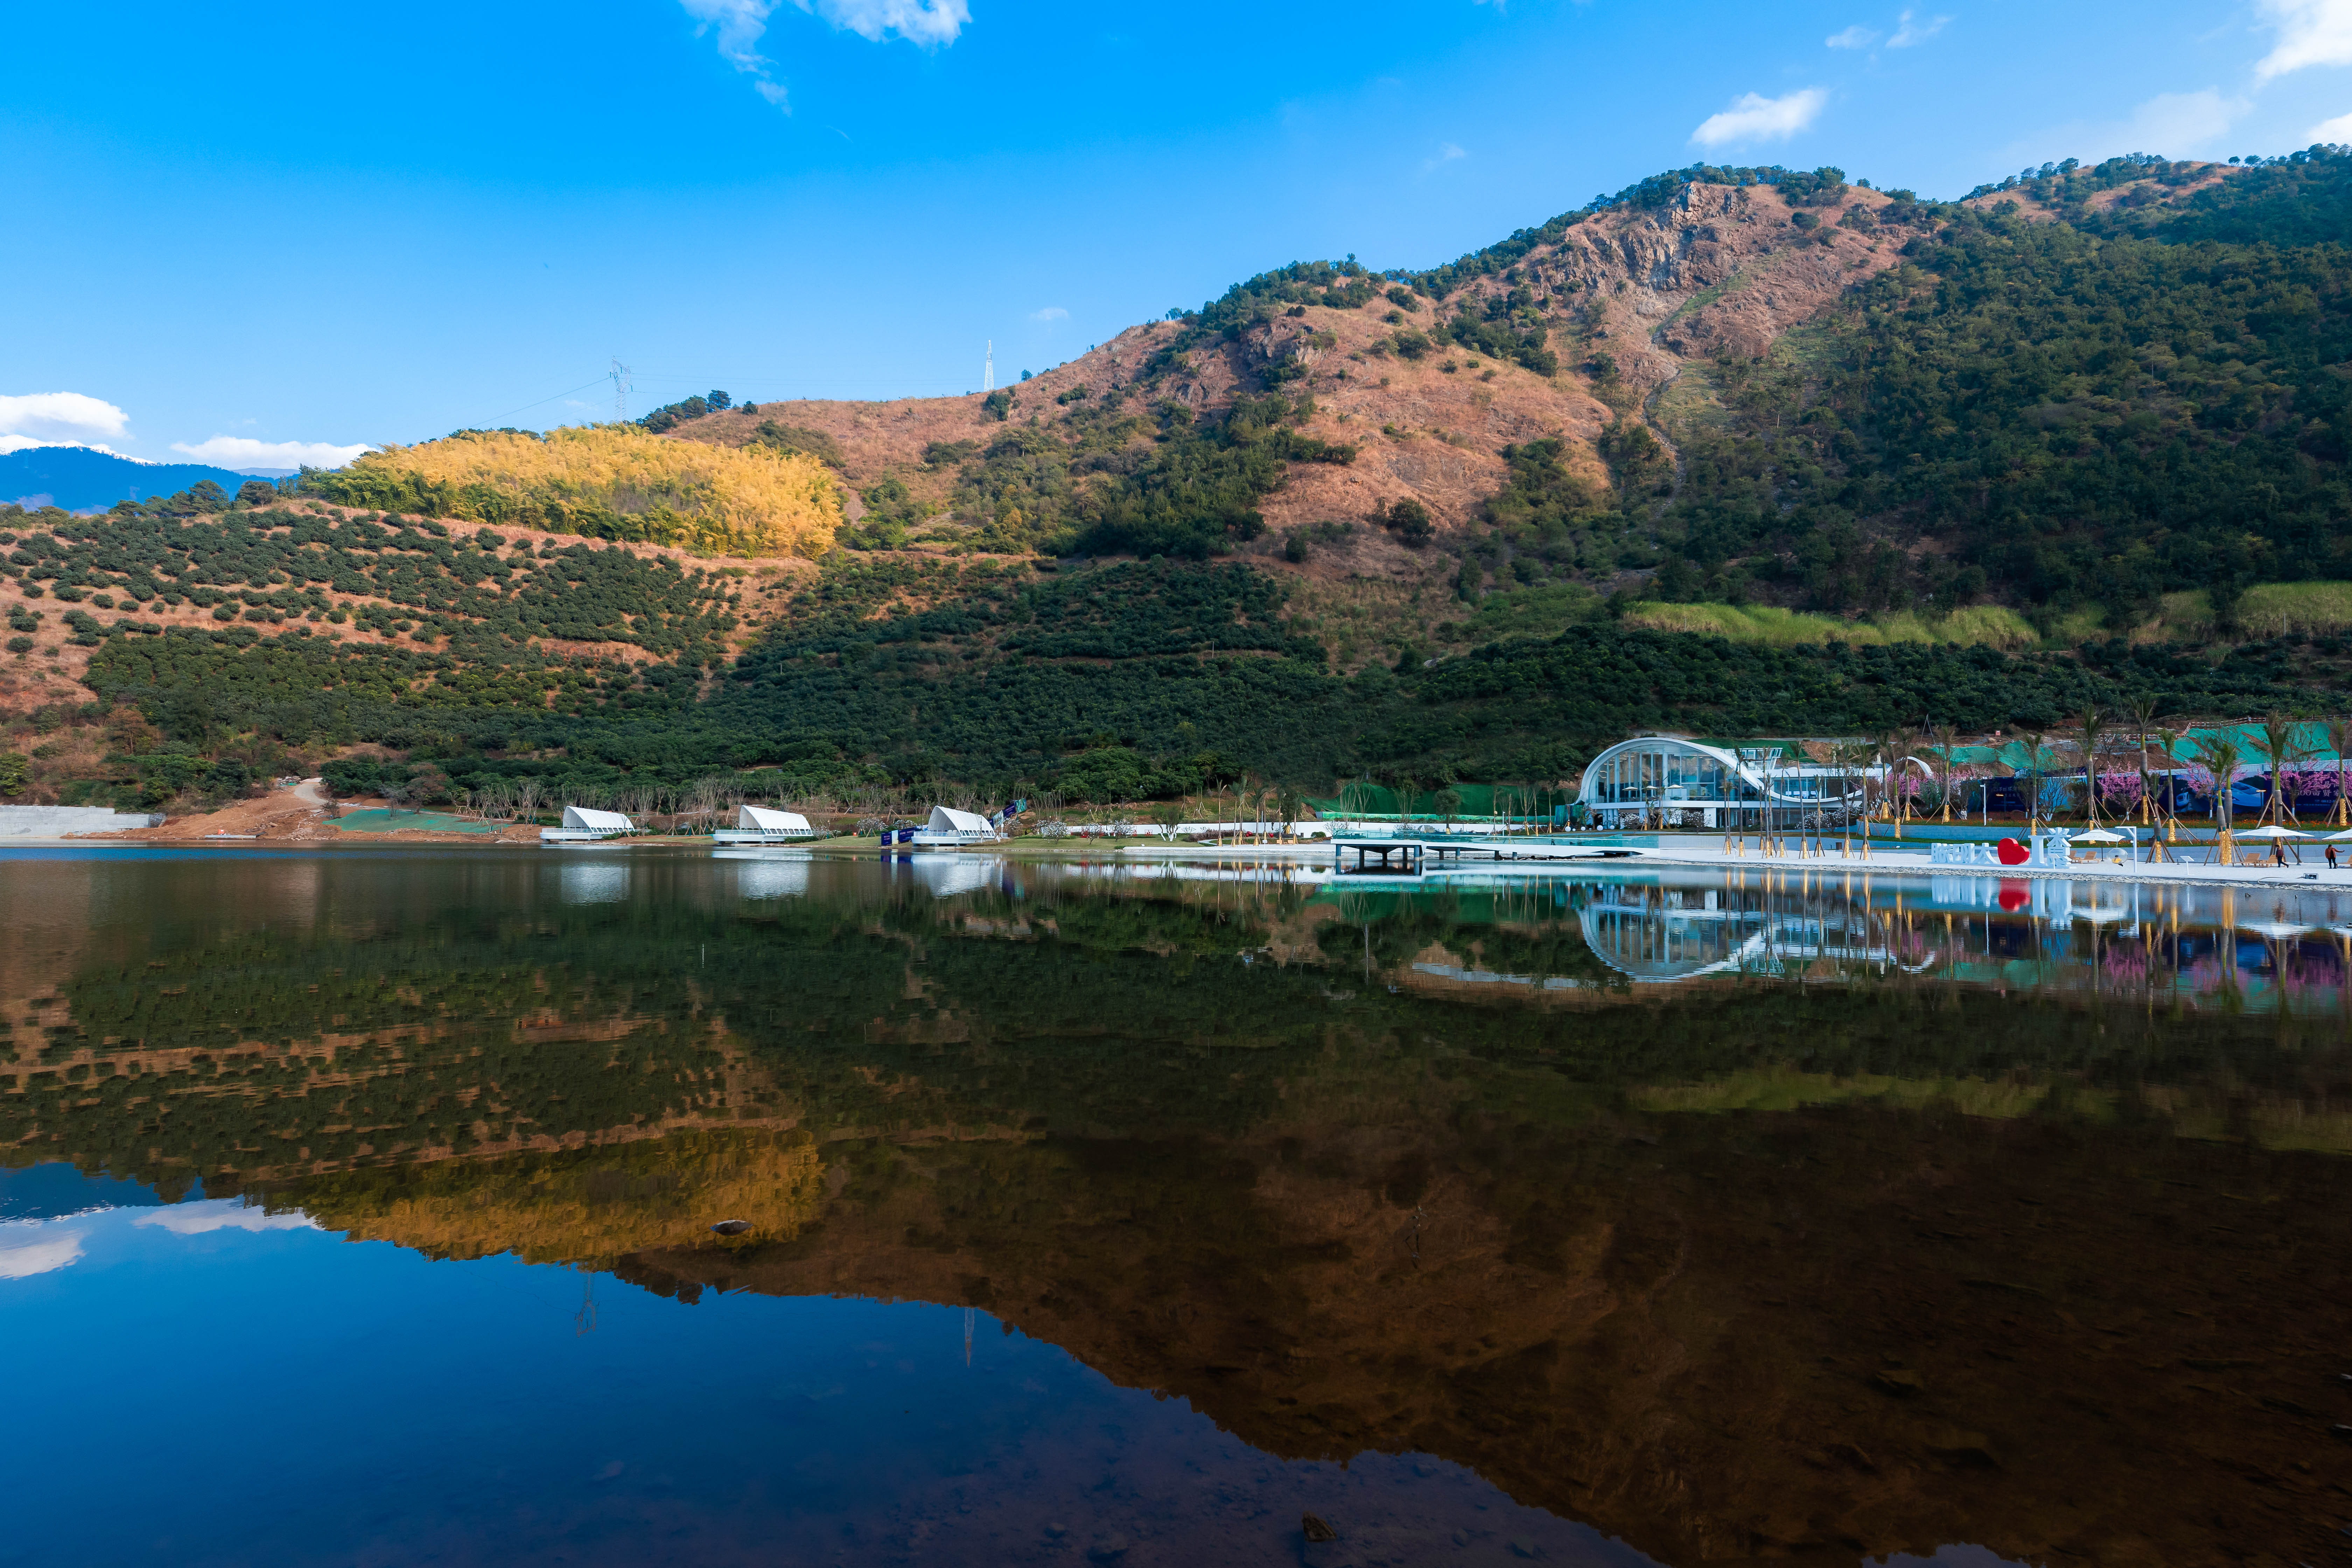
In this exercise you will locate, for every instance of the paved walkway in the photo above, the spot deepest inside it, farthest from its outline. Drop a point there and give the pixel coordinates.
(1906, 858)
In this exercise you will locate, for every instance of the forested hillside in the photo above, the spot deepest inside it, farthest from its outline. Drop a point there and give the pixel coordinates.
(2080, 389)
(2032, 448)
(2039, 413)
(264, 634)
(1123, 681)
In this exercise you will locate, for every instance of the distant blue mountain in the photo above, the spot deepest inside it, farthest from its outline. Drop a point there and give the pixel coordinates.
(76, 477)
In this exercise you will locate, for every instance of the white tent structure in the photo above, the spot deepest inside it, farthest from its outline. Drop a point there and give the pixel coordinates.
(765, 825)
(948, 827)
(584, 825)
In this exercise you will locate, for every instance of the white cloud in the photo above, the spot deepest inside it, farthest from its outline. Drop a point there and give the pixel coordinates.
(2310, 33)
(741, 25)
(57, 419)
(1855, 37)
(220, 1214)
(1752, 117)
(1909, 31)
(1446, 153)
(42, 1252)
(2179, 123)
(2172, 124)
(928, 22)
(1050, 313)
(2337, 129)
(245, 452)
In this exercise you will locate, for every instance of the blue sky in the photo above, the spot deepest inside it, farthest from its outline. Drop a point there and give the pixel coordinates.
(256, 237)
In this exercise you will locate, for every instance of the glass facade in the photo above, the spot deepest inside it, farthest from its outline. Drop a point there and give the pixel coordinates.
(1664, 772)
(1682, 783)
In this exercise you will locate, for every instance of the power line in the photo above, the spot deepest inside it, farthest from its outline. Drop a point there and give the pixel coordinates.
(566, 393)
(624, 380)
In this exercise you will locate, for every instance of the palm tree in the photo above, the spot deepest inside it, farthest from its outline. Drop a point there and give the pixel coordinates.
(1887, 755)
(1286, 803)
(2035, 742)
(2283, 752)
(1908, 743)
(2143, 712)
(1850, 758)
(2094, 727)
(2220, 754)
(2339, 740)
(1947, 747)
(2172, 736)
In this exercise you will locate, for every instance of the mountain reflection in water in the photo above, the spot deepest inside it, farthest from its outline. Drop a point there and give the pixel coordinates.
(1790, 1214)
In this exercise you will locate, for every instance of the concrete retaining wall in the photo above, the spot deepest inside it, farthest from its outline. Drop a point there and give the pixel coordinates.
(59, 821)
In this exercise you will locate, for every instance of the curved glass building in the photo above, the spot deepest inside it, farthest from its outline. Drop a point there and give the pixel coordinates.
(1669, 781)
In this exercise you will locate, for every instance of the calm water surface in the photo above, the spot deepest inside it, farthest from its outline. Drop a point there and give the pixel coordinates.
(357, 1208)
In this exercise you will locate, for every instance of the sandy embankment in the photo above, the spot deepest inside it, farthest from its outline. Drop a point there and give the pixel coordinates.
(294, 815)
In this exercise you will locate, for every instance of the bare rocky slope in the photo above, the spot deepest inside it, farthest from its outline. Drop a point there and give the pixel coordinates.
(1718, 269)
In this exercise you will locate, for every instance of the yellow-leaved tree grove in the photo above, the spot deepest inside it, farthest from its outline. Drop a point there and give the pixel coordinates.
(605, 481)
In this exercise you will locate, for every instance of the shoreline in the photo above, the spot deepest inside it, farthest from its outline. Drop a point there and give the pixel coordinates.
(1465, 854)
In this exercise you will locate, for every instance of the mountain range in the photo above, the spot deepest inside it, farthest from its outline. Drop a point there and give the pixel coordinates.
(1734, 451)
(2081, 390)
(78, 478)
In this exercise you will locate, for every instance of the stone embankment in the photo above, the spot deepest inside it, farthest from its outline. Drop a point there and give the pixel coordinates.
(70, 821)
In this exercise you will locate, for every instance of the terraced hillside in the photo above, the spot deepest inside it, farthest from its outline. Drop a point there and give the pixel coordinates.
(297, 624)
(1117, 680)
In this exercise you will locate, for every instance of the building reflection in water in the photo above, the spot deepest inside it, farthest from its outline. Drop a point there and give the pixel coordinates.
(2277, 948)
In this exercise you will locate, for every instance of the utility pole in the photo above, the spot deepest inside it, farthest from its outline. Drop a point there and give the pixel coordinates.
(988, 368)
(620, 376)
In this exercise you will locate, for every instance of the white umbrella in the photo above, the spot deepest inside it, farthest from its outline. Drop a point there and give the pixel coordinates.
(2098, 835)
(2274, 833)
(2340, 837)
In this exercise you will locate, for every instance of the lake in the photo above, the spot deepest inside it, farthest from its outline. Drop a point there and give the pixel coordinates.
(359, 1208)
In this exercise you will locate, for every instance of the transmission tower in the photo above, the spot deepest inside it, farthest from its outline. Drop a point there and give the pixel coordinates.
(620, 374)
(988, 368)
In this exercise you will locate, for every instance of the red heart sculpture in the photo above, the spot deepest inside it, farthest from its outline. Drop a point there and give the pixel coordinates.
(2013, 853)
(2014, 896)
